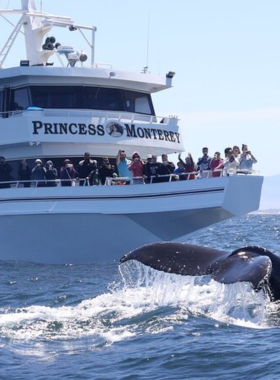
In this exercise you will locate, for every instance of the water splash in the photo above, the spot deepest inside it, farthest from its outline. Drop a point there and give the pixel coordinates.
(144, 301)
(236, 303)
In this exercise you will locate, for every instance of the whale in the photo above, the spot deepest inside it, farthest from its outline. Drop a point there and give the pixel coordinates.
(253, 264)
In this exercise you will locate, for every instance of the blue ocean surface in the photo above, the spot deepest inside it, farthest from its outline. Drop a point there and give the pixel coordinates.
(102, 321)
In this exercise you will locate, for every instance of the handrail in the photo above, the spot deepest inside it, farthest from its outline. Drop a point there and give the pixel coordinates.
(117, 115)
(78, 182)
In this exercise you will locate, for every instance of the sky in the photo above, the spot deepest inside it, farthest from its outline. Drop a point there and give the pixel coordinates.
(226, 55)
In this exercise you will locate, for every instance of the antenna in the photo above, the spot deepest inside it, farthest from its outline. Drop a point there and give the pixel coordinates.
(148, 40)
(41, 6)
(145, 69)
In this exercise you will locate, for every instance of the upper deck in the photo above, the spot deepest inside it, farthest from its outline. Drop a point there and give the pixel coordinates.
(49, 110)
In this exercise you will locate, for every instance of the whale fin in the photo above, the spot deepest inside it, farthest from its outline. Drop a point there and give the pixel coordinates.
(244, 266)
(179, 258)
(248, 265)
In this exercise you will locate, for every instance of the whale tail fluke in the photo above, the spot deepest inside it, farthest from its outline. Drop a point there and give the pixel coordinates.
(248, 264)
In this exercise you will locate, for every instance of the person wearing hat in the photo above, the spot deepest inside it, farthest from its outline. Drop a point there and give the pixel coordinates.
(38, 173)
(67, 173)
(153, 170)
(147, 168)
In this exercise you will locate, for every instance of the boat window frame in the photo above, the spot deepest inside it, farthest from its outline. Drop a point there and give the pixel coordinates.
(132, 107)
(112, 99)
(1, 101)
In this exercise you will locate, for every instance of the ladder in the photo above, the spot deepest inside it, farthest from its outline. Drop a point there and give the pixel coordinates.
(7, 47)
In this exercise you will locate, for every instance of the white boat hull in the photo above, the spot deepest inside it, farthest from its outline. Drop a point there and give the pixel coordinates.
(102, 223)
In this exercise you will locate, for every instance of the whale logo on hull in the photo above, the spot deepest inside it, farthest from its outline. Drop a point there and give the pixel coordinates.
(114, 129)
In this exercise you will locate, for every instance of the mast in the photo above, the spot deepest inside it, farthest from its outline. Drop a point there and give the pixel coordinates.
(28, 5)
(36, 24)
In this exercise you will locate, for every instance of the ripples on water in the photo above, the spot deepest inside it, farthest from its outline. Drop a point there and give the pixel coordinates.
(104, 322)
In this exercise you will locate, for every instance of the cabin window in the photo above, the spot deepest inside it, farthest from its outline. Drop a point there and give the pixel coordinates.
(138, 102)
(20, 99)
(104, 99)
(76, 97)
(83, 97)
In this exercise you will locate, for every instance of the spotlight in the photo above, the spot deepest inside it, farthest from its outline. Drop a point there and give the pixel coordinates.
(83, 56)
(170, 74)
(49, 43)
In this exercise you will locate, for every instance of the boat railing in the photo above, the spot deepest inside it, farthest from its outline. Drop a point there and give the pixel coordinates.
(77, 182)
(104, 116)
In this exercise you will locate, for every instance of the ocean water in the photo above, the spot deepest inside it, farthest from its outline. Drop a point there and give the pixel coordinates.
(131, 322)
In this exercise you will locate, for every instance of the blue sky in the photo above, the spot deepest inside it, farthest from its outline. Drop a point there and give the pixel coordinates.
(226, 55)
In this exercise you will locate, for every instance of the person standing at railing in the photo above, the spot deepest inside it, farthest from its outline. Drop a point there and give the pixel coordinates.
(189, 166)
(24, 173)
(153, 170)
(106, 171)
(180, 170)
(246, 159)
(84, 168)
(231, 163)
(166, 168)
(51, 174)
(216, 165)
(203, 164)
(93, 176)
(236, 151)
(67, 172)
(5, 173)
(122, 164)
(136, 167)
(38, 173)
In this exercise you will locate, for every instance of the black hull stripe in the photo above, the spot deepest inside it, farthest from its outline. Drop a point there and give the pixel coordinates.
(120, 197)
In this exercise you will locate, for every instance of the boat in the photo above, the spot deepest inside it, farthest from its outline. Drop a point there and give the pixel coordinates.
(57, 103)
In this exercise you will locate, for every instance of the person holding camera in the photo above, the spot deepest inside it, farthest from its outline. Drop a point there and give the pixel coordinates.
(246, 159)
(51, 174)
(231, 163)
(67, 173)
(136, 167)
(38, 174)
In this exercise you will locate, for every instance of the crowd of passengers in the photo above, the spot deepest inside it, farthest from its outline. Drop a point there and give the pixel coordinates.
(87, 172)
